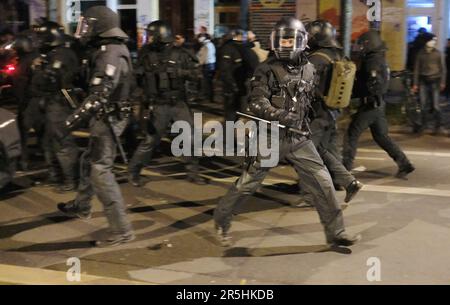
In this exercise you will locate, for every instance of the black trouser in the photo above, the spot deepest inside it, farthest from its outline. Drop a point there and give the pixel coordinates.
(7, 170)
(324, 137)
(30, 116)
(162, 116)
(97, 177)
(233, 100)
(207, 81)
(429, 102)
(60, 147)
(375, 119)
(311, 171)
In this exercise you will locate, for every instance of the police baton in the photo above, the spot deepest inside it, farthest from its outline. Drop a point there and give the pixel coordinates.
(69, 99)
(294, 130)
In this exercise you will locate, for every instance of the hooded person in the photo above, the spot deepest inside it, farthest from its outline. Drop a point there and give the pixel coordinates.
(430, 79)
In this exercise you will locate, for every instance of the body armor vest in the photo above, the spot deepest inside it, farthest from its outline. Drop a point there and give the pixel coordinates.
(293, 89)
(161, 68)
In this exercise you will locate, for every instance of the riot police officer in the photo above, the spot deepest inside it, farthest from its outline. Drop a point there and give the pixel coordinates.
(55, 73)
(371, 84)
(324, 51)
(107, 110)
(281, 90)
(10, 148)
(29, 114)
(236, 64)
(164, 71)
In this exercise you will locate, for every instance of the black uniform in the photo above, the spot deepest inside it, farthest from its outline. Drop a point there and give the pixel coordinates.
(282, 90)
(10, 147)
(29, 114)
(236, 63)
(267, 102)
(371, 84)
(57, 72)
(107, 110)
(323, 122)
(165, 70)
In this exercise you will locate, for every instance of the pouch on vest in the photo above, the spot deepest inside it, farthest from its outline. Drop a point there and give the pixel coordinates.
(164, 81)
(280, 75)
(341, 85)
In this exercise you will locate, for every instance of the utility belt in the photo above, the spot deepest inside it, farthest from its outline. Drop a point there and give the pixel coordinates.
(119, 109)
(372, 102)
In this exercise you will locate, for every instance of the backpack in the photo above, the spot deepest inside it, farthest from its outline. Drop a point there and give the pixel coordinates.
(341, 85)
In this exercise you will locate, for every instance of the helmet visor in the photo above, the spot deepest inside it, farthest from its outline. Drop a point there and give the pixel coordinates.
(84, 27)
(288, 40)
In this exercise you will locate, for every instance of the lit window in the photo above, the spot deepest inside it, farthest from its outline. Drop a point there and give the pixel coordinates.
(421, 3)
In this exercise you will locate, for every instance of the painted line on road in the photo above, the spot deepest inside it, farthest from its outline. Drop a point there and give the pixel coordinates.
(406, 190)
(37, 276)
(409, 152)
(367, 187)
(370, 158)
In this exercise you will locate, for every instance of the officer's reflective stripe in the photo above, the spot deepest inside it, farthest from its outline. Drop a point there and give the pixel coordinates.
(226, 56)
(238, 60)
(96, 81)
(57, 64)
(7, 123)
(110, 70)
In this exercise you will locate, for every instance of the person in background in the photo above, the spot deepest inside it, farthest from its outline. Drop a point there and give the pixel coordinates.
(256, 47)
(372, 80)
(429, 80)
(207, 60)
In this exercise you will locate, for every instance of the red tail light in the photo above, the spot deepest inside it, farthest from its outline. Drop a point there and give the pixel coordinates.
(9, 69)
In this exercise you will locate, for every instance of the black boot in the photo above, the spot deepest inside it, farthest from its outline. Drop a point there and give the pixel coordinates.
(404, 170)
(345, 240)
(352, 189)
(70, 209)
(135, 180)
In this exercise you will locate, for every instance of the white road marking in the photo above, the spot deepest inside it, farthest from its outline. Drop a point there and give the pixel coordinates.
(409, 152)
(367, 187)
(370, 158)
(406, 190)
(359, 169)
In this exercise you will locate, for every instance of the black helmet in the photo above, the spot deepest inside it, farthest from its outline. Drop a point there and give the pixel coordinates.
(288, 39)
(99, 21)
(49, 34)
(321, 34)
(371, 41)
(160, 32)
(26, 42)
